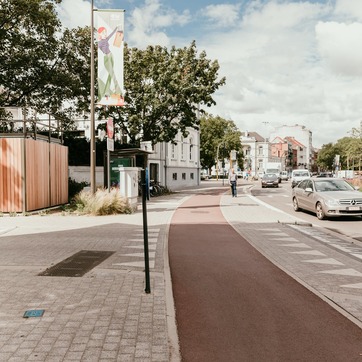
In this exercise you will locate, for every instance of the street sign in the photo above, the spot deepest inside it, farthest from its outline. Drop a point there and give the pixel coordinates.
(110, 144)
(146, 146)
(110, 128)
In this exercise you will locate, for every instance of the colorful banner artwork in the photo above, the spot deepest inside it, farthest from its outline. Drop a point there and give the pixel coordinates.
(110, 41)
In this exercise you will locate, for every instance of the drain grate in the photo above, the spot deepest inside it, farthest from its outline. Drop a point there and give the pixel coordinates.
(78, 264)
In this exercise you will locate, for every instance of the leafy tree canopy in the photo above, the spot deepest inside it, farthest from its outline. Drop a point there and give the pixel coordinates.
(165, 91)
(350, 151)
(348, 148)
(40, 66)
(326, 156)
(218, 137)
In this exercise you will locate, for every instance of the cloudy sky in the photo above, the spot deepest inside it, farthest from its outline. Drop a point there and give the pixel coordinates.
(286, 62)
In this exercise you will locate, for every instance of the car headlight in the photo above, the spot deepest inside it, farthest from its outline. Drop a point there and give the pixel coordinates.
(331, 202)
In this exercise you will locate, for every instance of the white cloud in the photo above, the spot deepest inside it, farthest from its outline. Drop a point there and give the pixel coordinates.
(349, 8)
(340, 46)
(221, 15)
(281, 67)
(278, 16)
(286, 62)
(74, 13)
(149, 23)
(145, 25)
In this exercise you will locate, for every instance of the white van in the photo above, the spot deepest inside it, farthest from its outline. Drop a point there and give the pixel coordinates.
(284, 175)
(299, 175)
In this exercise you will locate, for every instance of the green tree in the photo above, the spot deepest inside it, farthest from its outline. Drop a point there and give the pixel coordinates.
(357, 132)
(355, 148)
(326, 156)
(41, 67)
(28, 44)
(68, 92)
(218, 137)
(350, 149)
(165, 92)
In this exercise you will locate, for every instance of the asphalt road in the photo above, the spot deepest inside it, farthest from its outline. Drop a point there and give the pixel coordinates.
(281, 198)
(232, 304)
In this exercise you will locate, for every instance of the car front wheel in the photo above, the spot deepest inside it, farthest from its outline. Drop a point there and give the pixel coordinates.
(295, 204)
(319, 211)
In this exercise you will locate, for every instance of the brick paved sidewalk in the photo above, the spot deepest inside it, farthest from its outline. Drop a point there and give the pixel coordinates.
(104, 315)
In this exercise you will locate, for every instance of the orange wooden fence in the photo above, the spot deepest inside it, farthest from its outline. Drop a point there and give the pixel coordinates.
(33, 174)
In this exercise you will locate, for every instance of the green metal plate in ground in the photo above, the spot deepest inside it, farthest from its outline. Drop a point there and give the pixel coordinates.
(78, 264)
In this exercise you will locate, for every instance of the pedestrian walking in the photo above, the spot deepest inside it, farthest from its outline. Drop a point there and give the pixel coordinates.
(233, 179)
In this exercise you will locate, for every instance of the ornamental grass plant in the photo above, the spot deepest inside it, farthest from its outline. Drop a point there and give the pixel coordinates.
(103, 202)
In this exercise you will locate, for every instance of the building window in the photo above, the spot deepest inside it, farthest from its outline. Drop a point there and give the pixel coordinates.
(260, 151)
(182, 149)
(184, 175)
(173, 151)
(191, 150)
(191, 175)
(174, 176)
(260, 164)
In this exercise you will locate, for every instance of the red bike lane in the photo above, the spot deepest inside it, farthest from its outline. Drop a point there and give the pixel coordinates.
(232, 304)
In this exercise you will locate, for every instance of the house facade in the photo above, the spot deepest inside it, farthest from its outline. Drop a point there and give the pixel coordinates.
(176, 165)
(304, 137)
(256, 152)
(300, 154)
(282, 152)
(289, 152)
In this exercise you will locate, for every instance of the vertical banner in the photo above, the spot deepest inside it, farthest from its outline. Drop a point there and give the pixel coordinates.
(110, 37)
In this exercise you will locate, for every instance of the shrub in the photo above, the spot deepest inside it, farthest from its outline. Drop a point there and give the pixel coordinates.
(103, 202)
(74, 188)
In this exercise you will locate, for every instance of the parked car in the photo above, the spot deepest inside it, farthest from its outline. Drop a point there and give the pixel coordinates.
(327, 197)
(284, 175)
(275, 170)
(299, 175)
(270, 180)
(325, 174)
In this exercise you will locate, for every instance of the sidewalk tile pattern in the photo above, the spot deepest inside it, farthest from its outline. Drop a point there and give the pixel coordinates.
(106, 314)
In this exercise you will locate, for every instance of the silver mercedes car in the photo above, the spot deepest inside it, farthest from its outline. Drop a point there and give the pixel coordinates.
(327, 197)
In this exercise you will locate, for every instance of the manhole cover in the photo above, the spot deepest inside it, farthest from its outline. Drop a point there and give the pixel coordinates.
(78, 264)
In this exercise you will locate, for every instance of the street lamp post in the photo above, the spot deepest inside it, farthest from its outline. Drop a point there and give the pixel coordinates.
(217, 162)
(217, 159)
(266, 155)
(92, 122)
(265, 123)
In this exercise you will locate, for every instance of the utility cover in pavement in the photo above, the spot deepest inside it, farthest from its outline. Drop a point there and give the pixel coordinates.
(33, 313)
(78, 264)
